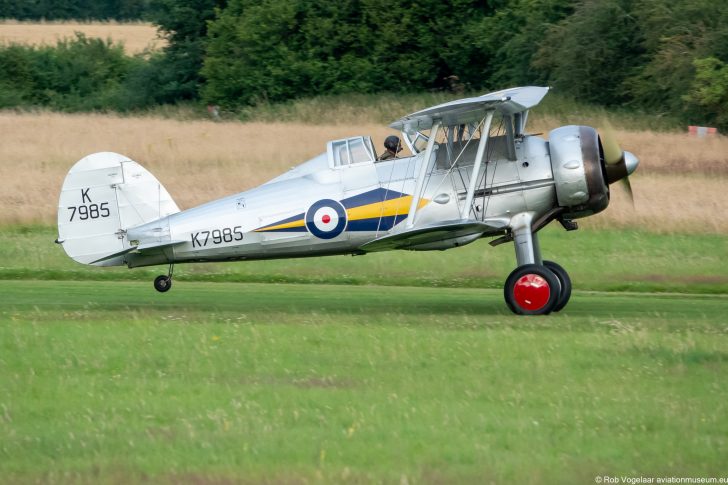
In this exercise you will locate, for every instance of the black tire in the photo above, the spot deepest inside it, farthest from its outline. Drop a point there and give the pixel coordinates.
(162, 283)
(532, 289)
(565, 281)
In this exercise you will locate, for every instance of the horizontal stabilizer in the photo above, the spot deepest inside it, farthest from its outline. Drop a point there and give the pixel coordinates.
(434, 233)
(139, 249)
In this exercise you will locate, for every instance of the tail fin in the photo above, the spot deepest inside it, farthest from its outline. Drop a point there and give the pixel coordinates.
(103, 195)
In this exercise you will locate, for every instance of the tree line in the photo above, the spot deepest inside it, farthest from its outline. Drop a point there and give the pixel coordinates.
(74, 9)
(658, 56)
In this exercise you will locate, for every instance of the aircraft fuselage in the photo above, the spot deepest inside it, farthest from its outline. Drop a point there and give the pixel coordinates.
(316, 209)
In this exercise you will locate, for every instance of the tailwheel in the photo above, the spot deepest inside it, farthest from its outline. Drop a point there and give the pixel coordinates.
(163, 283)
(565, 281)
(532, 289)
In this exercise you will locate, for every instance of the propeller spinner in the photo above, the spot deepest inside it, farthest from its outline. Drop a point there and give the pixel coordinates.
(618, 163)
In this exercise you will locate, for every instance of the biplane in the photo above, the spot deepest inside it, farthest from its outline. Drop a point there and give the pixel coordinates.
(472, 172)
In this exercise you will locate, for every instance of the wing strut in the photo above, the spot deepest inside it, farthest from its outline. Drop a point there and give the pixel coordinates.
(484, 135)
(424, 168)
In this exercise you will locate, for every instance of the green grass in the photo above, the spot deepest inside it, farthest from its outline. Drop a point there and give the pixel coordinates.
(388, 367)
(624, 260)
(112, 382)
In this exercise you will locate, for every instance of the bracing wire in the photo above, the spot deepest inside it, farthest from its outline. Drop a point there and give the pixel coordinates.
(486, 196)
(455, 162)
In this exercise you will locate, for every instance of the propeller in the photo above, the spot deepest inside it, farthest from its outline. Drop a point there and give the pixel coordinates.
(619, 163)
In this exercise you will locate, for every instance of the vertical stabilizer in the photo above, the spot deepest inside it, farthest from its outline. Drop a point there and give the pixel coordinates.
(103, 195)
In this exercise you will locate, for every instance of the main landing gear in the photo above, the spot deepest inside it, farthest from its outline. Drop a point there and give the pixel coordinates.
(535, 287)
(163, 283)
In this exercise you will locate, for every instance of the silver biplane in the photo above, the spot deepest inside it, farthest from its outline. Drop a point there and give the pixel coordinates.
(473, 172)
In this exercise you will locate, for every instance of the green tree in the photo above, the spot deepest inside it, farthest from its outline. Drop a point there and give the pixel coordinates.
(183, 23)
(74, 9)
(592, 53)
(17, 82)
(709, 91)
(75, 75)
(511, 37)
(275, 50)
(674, 35)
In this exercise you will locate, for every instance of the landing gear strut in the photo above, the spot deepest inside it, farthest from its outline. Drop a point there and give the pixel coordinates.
(535, 287)
(163, 283)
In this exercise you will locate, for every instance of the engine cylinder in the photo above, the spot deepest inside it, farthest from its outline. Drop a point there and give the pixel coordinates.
(578, 169)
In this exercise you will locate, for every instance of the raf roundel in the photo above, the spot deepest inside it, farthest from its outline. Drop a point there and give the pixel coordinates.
(326, 219)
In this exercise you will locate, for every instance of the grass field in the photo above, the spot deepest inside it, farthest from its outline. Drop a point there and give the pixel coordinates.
(136, 36)
(218, 383)
(241, 374)
(395, 367)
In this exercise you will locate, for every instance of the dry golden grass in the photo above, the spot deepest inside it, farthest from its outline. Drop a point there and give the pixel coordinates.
(667, 203)
(676, 153)
(661, 152)
(196, 161)
(680, 184)
(136, 36)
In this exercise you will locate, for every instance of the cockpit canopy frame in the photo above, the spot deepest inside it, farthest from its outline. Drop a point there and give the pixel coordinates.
(352, 151)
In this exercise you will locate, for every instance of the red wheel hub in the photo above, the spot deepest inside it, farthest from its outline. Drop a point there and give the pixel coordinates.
(531, 292)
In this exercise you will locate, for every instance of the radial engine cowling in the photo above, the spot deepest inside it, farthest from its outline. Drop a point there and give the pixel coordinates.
(579, 173)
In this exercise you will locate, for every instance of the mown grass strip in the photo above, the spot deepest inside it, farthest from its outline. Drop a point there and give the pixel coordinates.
(110, 381)
(603, 260)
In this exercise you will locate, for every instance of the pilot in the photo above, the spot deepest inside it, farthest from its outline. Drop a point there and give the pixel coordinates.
(392, 146)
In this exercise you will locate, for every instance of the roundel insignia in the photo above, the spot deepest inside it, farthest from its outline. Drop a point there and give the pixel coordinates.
(326, 219)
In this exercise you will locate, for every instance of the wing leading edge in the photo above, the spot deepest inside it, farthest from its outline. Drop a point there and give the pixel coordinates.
(467, 110)
(432, 236)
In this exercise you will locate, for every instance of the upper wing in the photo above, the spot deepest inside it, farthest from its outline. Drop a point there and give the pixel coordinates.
(467, 110)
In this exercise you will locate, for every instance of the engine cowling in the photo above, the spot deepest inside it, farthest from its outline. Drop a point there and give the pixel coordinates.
(579, 172)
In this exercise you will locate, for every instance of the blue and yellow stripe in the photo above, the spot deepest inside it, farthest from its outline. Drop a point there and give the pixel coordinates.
(376, 210)
(292, 224)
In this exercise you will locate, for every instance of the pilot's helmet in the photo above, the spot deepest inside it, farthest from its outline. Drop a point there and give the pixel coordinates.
(392, 143)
